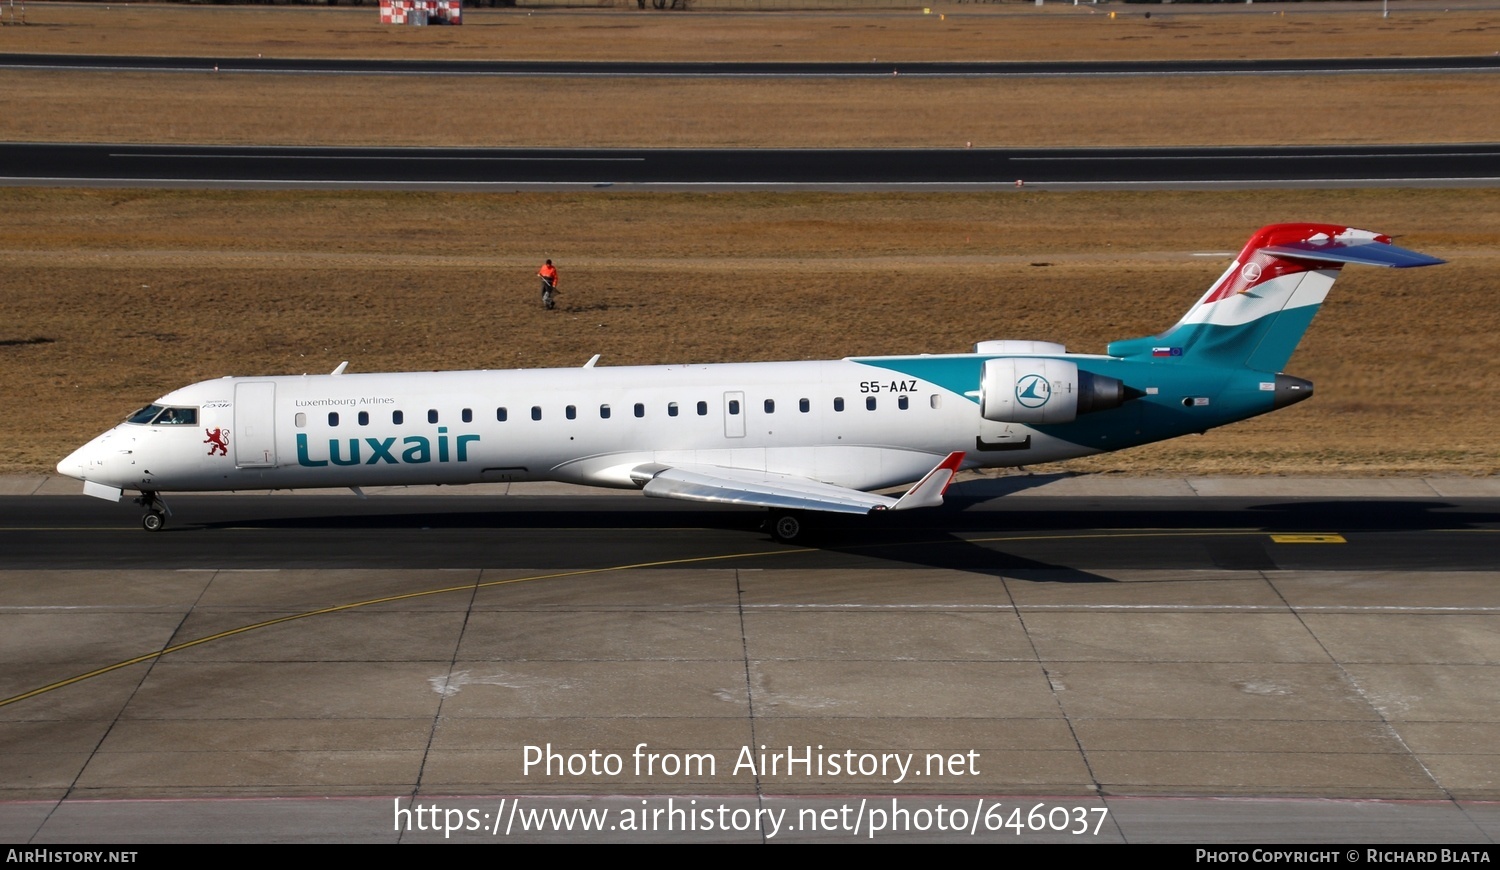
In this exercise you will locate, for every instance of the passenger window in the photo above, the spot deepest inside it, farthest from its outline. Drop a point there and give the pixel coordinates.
(536, 412)
(770, 406)
(869, 403)
(734, 407)
(603, 412)
(398, 417)
(301, 419)
(804, 405)
(640, 410)
(432, 415)
(702, 409)
(364, 418)
(671, 409)
(937, 400)
(838, 403)
(501, 414)
(333, 418)
(467, 415)
(903, 403)
(571, 412)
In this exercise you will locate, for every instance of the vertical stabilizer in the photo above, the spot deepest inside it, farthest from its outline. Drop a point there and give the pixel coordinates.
(1259, 309)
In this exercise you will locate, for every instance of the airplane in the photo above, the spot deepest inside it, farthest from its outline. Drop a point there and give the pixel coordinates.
(795, 437)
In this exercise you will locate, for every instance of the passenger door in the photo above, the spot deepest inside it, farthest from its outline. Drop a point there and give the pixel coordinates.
(254, 435)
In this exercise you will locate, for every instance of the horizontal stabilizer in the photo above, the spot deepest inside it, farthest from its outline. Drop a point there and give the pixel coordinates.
(1365, 254)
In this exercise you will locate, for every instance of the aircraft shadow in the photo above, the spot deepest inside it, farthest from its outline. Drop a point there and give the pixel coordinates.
(985, 535)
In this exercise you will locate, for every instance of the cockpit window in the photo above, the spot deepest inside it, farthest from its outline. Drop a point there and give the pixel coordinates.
(144, 415)
(178, 417)
(160, 416)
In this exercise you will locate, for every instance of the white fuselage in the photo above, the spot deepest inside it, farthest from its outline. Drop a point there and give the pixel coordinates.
(842, 422)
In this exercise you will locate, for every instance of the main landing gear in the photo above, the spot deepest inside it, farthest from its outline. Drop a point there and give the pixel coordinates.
(787, 526)
(155, 518)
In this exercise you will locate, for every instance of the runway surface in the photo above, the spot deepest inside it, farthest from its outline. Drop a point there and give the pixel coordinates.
(998, 536)
(638, 69)
(1189, 669)
(194, 165)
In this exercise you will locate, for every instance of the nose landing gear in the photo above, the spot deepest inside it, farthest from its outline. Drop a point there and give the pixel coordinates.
(155, 518)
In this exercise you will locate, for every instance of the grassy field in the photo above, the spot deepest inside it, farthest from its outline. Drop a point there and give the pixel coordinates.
(110, 298)
(953, 31)
(208, 107)
(819, 113)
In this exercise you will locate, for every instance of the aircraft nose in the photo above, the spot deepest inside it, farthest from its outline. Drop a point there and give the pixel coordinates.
(87, 461)
(73, 465)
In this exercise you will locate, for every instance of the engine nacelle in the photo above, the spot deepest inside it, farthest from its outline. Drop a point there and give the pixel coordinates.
(1042, 391)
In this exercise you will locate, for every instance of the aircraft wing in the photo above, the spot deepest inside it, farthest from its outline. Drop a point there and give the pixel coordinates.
(785, 491)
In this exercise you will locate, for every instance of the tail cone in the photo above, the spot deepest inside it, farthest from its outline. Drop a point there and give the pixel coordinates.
(1290, 390)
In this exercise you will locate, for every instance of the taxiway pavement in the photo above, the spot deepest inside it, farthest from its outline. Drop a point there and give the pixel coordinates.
(1228, 661)
(66, 164)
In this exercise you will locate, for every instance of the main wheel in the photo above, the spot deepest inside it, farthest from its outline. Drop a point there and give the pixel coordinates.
(154, 521)
(786, 526)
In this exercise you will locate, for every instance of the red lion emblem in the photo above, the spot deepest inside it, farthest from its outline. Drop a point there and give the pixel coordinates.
(218, 441)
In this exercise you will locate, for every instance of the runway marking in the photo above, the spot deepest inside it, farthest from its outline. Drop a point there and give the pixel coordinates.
(1168, 608)
(1324, 538)
(394, 157)
(1336, 156)
(958, 185)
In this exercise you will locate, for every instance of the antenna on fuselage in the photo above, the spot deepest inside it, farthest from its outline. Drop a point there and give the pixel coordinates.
(340, 370)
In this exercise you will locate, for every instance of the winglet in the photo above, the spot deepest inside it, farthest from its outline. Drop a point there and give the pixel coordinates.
(929, 490)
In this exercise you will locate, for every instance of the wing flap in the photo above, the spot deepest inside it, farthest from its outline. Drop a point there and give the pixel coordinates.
(732, 486)
(785, 491)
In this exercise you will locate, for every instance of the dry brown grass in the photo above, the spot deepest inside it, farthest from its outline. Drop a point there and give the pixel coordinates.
(139, 292)
(110, 298)
(952, 32)
(895, 112)
(898, 112)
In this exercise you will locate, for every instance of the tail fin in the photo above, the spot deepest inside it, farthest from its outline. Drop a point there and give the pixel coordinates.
(1257, 311)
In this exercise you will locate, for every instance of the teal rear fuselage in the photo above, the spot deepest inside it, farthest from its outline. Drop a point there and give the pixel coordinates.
(1174, 399)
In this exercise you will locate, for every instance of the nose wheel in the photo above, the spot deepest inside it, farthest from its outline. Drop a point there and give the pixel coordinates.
(155, 518)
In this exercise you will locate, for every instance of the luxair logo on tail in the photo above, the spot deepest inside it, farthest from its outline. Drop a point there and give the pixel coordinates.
(1033, 391)
(413, 450)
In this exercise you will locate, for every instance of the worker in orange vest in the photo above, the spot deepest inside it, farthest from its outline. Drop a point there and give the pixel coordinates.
(548, 274)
